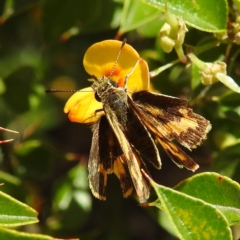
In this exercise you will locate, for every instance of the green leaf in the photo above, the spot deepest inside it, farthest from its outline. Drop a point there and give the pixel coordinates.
(14, 235)
(196, 81)
(95, 16)
(151, 28)
(222, 165)
(67, 14)
(14, 213)
(221, 192)
(210, 16)
(36, 160)
(192, 218)
(237, 4)
(230, 99)
(165, 223)
(15, 82)
(23, 58)
(10, 179)
(72, 196)
(137, 14)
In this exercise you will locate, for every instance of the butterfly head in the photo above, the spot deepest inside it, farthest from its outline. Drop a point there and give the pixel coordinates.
(101, 85)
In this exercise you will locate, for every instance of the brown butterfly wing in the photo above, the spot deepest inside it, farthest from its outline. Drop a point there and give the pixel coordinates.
(169, 118)
(132, 136)
(139, 137)
(105, 158)
(175, 119)
(131, 158)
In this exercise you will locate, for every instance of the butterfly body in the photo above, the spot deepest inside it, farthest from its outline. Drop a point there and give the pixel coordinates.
(122, 145)
(124, 138)
(114, 99)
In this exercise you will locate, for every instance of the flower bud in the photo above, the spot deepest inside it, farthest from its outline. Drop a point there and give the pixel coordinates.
(166, 42)
(233, 33)
(172, 35)
(208, 74)
(213, 72)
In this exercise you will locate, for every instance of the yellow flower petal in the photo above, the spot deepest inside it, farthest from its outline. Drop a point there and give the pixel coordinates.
(81, 107)
(99, 61)
(101, 57)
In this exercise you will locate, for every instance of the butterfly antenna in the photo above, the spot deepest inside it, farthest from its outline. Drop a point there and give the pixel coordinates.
(58, 90)
(130, 73)
(63, 90)
(119, 53)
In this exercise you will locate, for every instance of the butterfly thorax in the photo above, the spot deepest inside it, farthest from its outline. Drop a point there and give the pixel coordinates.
(113, 98)
(101, 85)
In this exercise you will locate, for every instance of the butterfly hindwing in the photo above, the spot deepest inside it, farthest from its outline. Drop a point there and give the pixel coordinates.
(177, 155)
(97, 174)
(105, 158)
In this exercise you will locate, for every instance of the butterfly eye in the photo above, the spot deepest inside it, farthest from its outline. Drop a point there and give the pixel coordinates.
(114, 84)
(97, 97)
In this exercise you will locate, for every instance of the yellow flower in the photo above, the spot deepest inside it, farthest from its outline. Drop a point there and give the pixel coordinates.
(99, 61)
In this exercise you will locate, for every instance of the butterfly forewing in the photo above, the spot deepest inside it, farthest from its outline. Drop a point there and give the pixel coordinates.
(139, 136)
(116, 99)
(173, 118)
(167, 122)
(133, 163)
